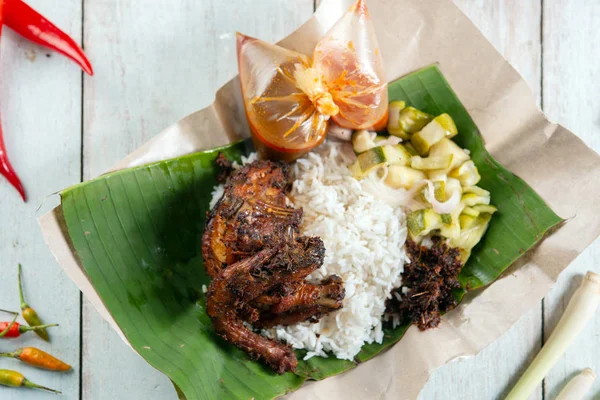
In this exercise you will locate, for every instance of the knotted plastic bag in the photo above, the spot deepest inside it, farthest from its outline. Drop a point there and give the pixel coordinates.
(291, 99)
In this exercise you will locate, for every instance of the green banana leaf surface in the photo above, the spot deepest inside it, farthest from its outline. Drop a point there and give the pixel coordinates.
(137, 233)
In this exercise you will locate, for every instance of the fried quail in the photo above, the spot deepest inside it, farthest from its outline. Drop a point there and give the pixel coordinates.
(258, 261)
(246, 280)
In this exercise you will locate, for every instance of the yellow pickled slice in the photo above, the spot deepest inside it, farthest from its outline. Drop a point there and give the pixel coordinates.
(472, 199)
(445, 147)
(485, 208)
(431, 163)
(470, 211)
(393, 126)
(421, 222)
(467, 174)
(362, 140)
(412, 120)
(477, 190)
(400, 176)
(470, 236)
(441, 127)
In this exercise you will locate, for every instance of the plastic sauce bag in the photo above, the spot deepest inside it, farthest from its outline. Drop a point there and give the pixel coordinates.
(291, 99)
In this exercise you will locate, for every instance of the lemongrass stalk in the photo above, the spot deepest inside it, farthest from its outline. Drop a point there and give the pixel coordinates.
(580, 310)
(577, 387)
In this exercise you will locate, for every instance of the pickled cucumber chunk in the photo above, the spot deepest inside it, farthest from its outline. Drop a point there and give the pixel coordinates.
(393, 127)
(429, 163)
(441, 127)
(410, 120)
(472, 234)
(400, 176)
(421, 222)
(467, 174)
(445, 147)
(363, 140)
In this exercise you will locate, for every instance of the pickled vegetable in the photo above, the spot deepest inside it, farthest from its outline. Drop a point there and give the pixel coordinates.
(363, 140)
(393, 126)
(445, 147)
(441, 127)
(470, 236)
(467, 174)
(472, 199)
(429, 163)
(400, 176)
(412, 120)
(421, 222)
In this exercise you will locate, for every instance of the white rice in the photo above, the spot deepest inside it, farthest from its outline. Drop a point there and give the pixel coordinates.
(364, 239)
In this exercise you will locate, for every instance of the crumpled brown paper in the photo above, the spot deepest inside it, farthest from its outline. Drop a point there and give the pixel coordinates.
(413, 34)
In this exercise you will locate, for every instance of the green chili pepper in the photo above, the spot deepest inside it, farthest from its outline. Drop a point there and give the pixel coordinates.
(29, 313)
(16, 379)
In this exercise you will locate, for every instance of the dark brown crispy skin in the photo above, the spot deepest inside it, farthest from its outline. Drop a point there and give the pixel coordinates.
(246, 280)
(258, 261)
(252, 213)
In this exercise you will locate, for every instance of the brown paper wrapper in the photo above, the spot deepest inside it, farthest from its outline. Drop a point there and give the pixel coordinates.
(558, 165)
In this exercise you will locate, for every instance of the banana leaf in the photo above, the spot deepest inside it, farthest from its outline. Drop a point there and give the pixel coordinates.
(137, 234)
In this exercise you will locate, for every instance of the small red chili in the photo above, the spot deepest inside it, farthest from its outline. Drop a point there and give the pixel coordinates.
(6, 168)
(15, 329)
(29, 23)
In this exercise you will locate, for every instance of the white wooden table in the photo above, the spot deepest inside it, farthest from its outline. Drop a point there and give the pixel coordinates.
(157, 61)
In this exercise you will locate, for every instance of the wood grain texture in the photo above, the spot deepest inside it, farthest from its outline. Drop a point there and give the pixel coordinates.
(155, 63)
(40, 103)
(515, 32)
(571, 79)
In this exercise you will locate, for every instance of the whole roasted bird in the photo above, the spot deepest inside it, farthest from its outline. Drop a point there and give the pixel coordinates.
(258, 262)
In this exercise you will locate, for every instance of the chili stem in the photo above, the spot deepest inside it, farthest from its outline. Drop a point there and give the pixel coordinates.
(29, 384)
(23, 303)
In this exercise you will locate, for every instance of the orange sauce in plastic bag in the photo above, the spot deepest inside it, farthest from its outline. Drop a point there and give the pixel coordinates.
(290, 99)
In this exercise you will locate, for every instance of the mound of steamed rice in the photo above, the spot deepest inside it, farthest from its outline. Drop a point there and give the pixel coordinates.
(364, 239)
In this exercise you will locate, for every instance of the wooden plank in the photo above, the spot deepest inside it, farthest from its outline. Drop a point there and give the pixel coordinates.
(155, 63)
(40, 97)
(570, 81)
(515, 32)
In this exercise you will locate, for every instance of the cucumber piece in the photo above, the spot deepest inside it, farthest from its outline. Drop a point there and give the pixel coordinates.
(421, 222)
(470, 236)
(470, 211)
(485, 208)
(396, 154)
(439, 191)
(431, 163)
(400, 176)
(451, 230)
(393, 127)
(437, 175)
(467, 174)
(466, 221)
(410, 148)
(447, 124)
(453, 185)
(477, 190)
(471, 199)
(441, 127)
(362, 140)
(446, 219)
(356, 171)
(412, 120)
(371, 159)
(445, 147)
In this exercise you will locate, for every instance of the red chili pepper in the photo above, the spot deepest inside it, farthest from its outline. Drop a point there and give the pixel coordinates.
(17, 329)
(27, 22)
(6, 168)
(38, 358)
